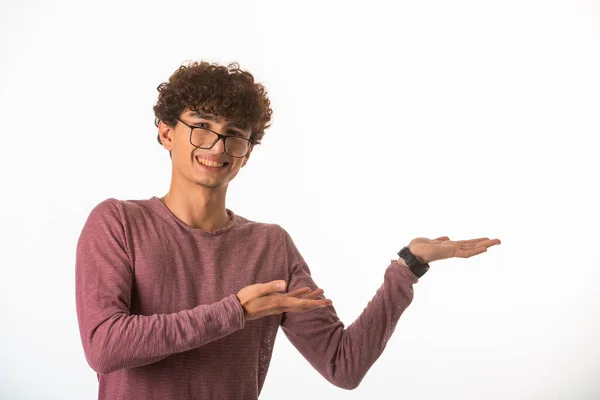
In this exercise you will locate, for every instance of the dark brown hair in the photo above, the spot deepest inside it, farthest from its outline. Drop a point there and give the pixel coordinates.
(225, 91)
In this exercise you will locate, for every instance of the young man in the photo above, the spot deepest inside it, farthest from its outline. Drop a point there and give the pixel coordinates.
(177, 297)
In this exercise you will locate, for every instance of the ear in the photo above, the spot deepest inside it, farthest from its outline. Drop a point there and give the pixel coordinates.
(247, 156)
(166, 135)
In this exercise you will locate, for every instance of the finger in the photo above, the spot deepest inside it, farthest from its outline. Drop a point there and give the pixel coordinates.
(298, 292)
(262, 289)
(469, 253)
(444, 238)
(295, 304)
(472, 240)
(488, 243)
(475, 243)
(307, 303)
(318, 293)
(305, 293)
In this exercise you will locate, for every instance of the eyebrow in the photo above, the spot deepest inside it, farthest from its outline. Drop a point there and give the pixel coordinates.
(211, 117)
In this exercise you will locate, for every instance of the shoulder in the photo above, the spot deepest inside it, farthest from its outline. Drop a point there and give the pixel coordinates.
(122, 210)
(270, 231)
(116, 211)
(104, 219)
(107, 210)
(103, 224)
(113, 215)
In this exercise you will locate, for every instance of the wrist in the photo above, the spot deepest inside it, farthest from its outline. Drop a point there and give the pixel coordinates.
(412, 262)
(402, 263)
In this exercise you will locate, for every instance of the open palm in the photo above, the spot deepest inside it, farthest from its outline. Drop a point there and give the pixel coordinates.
(428, 250)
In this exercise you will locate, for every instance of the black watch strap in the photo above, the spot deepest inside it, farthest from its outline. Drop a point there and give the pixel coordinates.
(415, 266)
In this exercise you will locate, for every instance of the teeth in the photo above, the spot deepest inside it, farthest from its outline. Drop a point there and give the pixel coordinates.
(209, 163)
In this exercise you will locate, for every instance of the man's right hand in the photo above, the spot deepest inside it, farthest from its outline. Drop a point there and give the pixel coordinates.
(264, 299)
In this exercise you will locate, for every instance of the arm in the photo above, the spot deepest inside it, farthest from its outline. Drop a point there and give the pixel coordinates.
(113, 338)
(344, 356)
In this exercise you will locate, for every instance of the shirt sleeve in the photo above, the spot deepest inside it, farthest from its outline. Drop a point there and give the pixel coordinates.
(341, 355)
(112, 337)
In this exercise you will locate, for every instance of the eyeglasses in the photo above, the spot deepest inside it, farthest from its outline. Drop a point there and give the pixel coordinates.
(204, 138)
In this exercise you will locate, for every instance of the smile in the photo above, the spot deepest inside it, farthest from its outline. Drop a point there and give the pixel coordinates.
(211, 165)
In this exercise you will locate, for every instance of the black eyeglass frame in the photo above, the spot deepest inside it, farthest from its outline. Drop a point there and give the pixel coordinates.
(219, 136)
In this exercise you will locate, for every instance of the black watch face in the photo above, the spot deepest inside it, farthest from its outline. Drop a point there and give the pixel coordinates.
(421, 269)
(409, 258)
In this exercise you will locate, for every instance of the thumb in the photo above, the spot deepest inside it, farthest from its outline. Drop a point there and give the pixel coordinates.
(271, 287)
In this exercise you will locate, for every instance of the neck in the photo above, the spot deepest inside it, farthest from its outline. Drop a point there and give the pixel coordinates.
(202, 209)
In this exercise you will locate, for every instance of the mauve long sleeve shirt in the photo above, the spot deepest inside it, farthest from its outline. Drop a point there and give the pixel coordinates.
(159, 317)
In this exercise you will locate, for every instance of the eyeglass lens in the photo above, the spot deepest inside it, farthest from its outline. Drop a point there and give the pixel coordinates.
(234, 146)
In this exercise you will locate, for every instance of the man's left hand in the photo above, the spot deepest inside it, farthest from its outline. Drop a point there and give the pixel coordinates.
(427, 250)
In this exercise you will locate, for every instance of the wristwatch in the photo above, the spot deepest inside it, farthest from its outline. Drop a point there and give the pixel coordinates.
(415, 266)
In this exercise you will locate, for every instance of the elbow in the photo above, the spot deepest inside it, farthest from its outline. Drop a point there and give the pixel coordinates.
(347, 385)
(99, 364)
(103, 355)
(343, 377)
(99, 359)
(346, 382)
(103, 368)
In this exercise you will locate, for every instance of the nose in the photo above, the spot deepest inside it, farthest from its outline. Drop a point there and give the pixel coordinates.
(218, 147)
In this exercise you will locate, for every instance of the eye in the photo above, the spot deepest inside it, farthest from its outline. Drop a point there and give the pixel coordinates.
(201, 124)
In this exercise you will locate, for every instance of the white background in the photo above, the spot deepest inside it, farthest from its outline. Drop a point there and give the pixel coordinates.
(463, 118)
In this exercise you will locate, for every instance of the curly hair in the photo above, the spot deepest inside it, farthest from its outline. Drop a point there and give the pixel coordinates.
(225, 91)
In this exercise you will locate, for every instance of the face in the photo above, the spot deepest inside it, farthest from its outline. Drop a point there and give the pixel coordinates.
(186, 158)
